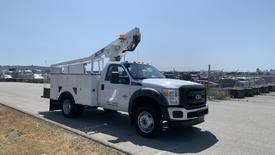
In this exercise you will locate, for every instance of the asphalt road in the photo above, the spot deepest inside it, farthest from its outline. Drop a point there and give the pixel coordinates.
(243, 126)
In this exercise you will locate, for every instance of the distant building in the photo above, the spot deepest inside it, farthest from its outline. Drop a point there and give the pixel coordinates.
(272, 71)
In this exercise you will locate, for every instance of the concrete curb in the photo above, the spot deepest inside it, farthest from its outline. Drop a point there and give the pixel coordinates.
(69, 129)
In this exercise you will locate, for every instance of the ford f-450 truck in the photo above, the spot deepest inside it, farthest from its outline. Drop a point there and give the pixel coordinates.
(150, 99)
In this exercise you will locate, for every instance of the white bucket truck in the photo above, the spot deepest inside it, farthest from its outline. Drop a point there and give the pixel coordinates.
(150, 99)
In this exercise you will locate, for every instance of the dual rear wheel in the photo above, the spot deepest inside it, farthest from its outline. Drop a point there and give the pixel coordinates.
(69, 108)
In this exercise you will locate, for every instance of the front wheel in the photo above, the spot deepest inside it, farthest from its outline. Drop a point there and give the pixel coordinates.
(147, 121)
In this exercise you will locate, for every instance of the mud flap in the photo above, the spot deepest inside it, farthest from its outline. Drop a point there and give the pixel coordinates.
(54, 105)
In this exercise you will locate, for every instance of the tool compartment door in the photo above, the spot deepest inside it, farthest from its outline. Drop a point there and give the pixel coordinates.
(83, 87)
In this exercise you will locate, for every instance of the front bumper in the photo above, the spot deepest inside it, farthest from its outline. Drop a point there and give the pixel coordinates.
(182, 114)
(186, 123)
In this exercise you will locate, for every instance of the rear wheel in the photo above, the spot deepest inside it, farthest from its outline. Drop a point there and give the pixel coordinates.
(69, 108)
(147, 121)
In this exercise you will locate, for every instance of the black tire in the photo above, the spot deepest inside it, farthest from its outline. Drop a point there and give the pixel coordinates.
(69, 108)
(154, 116)
(109, 110)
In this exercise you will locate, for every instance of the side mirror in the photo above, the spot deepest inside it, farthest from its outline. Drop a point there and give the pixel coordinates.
(124, 80)
(115, 77)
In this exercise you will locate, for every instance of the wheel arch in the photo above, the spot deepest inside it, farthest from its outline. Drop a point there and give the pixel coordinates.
(63, 94)
(145, 94)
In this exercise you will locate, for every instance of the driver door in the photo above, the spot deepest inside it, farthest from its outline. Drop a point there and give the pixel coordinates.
(114, 96)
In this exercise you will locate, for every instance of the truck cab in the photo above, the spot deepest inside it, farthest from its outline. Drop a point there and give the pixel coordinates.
(144, 92)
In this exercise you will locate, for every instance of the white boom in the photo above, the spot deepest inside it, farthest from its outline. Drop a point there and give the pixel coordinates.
(114, 51)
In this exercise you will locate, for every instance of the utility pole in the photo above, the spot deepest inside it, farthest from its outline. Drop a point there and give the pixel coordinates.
(209, 72)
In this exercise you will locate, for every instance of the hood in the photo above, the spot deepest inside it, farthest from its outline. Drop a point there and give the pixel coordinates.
(167, 83)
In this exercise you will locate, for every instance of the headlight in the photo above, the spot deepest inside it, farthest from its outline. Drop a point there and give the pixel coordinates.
(171, 96)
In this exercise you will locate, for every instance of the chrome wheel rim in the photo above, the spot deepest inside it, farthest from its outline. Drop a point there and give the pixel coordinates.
(67, 106)
(145, 122)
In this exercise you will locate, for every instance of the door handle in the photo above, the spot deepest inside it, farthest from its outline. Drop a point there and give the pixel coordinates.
(102, 86)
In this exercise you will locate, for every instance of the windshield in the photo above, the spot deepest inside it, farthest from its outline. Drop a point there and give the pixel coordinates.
(142, 71)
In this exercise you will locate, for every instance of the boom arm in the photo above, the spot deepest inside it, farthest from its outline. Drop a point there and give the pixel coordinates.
(114, 51)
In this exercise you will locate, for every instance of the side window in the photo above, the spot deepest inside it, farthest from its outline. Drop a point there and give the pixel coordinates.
(121, 71)
(115, 68)
(112, 68)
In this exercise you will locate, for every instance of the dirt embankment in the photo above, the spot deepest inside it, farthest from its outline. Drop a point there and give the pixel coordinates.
(22, 134)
